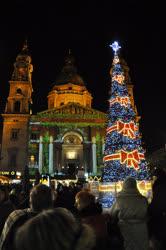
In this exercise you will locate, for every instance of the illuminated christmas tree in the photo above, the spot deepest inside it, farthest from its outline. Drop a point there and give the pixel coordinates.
(123, 155)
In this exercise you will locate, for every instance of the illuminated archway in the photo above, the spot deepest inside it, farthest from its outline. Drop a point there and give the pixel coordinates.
(72, 151)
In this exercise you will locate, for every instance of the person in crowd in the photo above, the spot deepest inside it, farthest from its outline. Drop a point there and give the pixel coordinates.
(90, 212)
(130, 208)
(54, 229)
(157, 211)
(13, 197)
(40, 198)
(6, 206)
(23, 199)
(54, 194)
(66, 198)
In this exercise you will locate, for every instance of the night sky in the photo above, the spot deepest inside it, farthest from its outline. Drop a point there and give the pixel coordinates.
(87, 28)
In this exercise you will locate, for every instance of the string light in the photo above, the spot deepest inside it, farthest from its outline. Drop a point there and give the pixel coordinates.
(115, 46)
(123, 155)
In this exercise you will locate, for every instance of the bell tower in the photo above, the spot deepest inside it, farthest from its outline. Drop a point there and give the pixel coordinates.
(14, 155)
(130, 86)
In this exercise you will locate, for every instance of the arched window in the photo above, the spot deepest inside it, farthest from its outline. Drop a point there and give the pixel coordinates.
(17, 106)
(14, 134)
(72, 138)
(19, 91)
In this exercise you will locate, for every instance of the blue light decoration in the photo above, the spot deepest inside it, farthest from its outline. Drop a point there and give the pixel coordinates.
(123, 155)
(115, 46)
(107, 199)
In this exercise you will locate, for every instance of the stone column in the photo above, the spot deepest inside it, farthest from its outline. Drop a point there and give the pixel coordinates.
(103, 145)
(40, 153)
(51, 170)
(94, 162)
(87, 162)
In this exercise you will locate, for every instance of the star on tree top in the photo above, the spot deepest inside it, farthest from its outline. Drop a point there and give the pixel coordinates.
(115, 46)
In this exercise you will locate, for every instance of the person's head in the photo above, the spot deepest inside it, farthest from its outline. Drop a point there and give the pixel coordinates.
(21, 196)
(41, 198)
(129, 184)
(54, 229)
(84, 199)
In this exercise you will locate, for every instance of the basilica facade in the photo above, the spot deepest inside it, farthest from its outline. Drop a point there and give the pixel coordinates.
(66, 137)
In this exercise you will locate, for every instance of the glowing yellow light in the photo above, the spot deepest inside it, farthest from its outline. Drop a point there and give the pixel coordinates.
(144, 187)
(71, 155)
(118, 78)
(32, 158)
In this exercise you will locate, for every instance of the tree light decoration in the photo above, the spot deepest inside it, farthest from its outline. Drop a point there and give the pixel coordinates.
(115, 46)
(123, 154)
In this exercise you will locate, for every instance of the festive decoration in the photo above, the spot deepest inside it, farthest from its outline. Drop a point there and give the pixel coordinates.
(124, 101)
(123, 155)
(115, 46)
(132, 159)
(72, 125)
(127, 129)
(109, 191)
(118, 78)
(99, 152)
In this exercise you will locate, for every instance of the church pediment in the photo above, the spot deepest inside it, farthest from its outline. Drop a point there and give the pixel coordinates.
(73, 112)
(70, 110)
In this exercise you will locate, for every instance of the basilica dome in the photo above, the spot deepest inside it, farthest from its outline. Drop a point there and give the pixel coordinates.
(69, 87)
(69, 73)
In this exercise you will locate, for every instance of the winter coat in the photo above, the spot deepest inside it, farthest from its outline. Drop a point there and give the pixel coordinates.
(131, 208)
(6, 208)
(93, 216)
(13, 222)
(157, 212)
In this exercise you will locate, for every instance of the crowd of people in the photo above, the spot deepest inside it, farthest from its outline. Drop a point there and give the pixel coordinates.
(71, 218)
